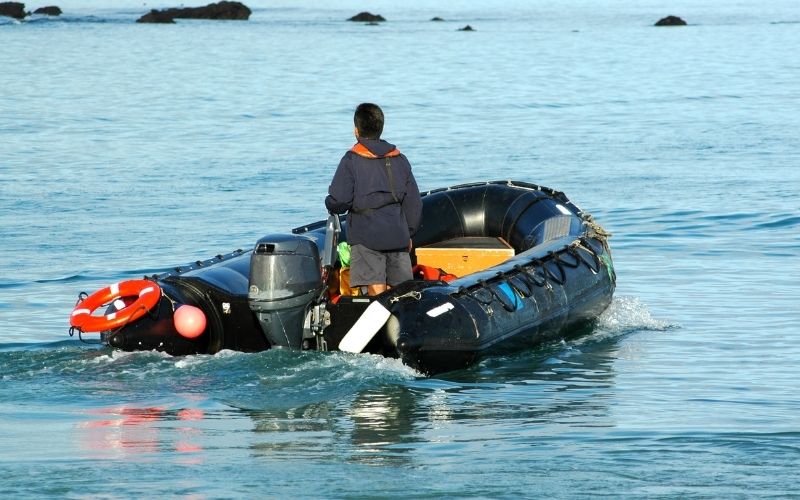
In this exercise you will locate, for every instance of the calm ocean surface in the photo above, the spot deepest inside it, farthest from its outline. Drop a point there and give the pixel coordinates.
(126, 149)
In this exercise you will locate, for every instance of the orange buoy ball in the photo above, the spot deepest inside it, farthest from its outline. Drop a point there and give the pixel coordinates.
(189, 321)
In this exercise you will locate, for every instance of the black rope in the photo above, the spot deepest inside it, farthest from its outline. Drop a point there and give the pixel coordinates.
(504, 299)
(481, 288)
(562, 278)
(592, 244)
(532, 275)
(570, 251)
(520, 285)
(74, 329)
(528, 279)
(596, 268)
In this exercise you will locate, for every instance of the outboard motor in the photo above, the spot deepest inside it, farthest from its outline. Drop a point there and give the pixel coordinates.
(285, 280)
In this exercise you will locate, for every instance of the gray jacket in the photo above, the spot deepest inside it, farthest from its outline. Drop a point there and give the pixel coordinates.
(375, 185)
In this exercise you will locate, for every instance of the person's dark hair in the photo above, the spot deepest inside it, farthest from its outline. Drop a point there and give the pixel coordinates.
(369, 120)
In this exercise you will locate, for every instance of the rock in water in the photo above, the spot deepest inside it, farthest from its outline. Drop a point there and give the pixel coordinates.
(366, 17)
(12, 9)
(50, 10)
(671, 21)
(236, 11)
(157, 17)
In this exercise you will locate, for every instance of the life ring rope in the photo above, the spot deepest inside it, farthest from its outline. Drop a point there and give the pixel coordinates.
(147, 294)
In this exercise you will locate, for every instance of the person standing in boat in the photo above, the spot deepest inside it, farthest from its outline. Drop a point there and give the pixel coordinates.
(375, 186)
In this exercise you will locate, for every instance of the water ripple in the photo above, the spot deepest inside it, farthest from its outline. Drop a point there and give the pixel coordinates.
(685, 387)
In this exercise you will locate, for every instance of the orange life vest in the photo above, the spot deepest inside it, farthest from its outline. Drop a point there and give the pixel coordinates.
(362, 150)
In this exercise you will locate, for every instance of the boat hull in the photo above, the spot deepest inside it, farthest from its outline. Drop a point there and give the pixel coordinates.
(559, 281)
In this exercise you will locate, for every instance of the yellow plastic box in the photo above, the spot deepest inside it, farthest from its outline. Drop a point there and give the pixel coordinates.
(462, 256)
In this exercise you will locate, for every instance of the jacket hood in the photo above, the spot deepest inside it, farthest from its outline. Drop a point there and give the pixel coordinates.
(378, 147)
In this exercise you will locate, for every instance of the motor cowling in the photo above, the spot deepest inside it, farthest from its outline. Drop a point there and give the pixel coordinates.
(285, 280)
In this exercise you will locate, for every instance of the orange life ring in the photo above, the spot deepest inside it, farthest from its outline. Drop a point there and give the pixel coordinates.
(147, 295)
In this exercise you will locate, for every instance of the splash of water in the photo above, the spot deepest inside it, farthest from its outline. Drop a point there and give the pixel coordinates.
(628, 314)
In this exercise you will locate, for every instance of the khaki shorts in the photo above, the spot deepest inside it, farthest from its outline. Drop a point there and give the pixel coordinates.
(371, 267)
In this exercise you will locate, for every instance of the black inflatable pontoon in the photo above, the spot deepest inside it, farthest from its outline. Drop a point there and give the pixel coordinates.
(559, 280)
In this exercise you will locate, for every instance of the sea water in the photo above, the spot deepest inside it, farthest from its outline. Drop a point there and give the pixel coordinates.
(127, 149)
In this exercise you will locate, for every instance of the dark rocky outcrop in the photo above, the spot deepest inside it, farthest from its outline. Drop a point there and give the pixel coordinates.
(671, 21)
(467, 28)
(157, 17)
(50, 10)
(437, 18)
(366, 17)
(12, 9)
(235, 11)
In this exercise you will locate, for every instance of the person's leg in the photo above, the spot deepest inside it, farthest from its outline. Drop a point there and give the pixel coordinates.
(376, 289)
(368, 268)
(398, 268)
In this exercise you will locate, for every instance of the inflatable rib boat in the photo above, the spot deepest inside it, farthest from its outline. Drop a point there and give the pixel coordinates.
(500, 265)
